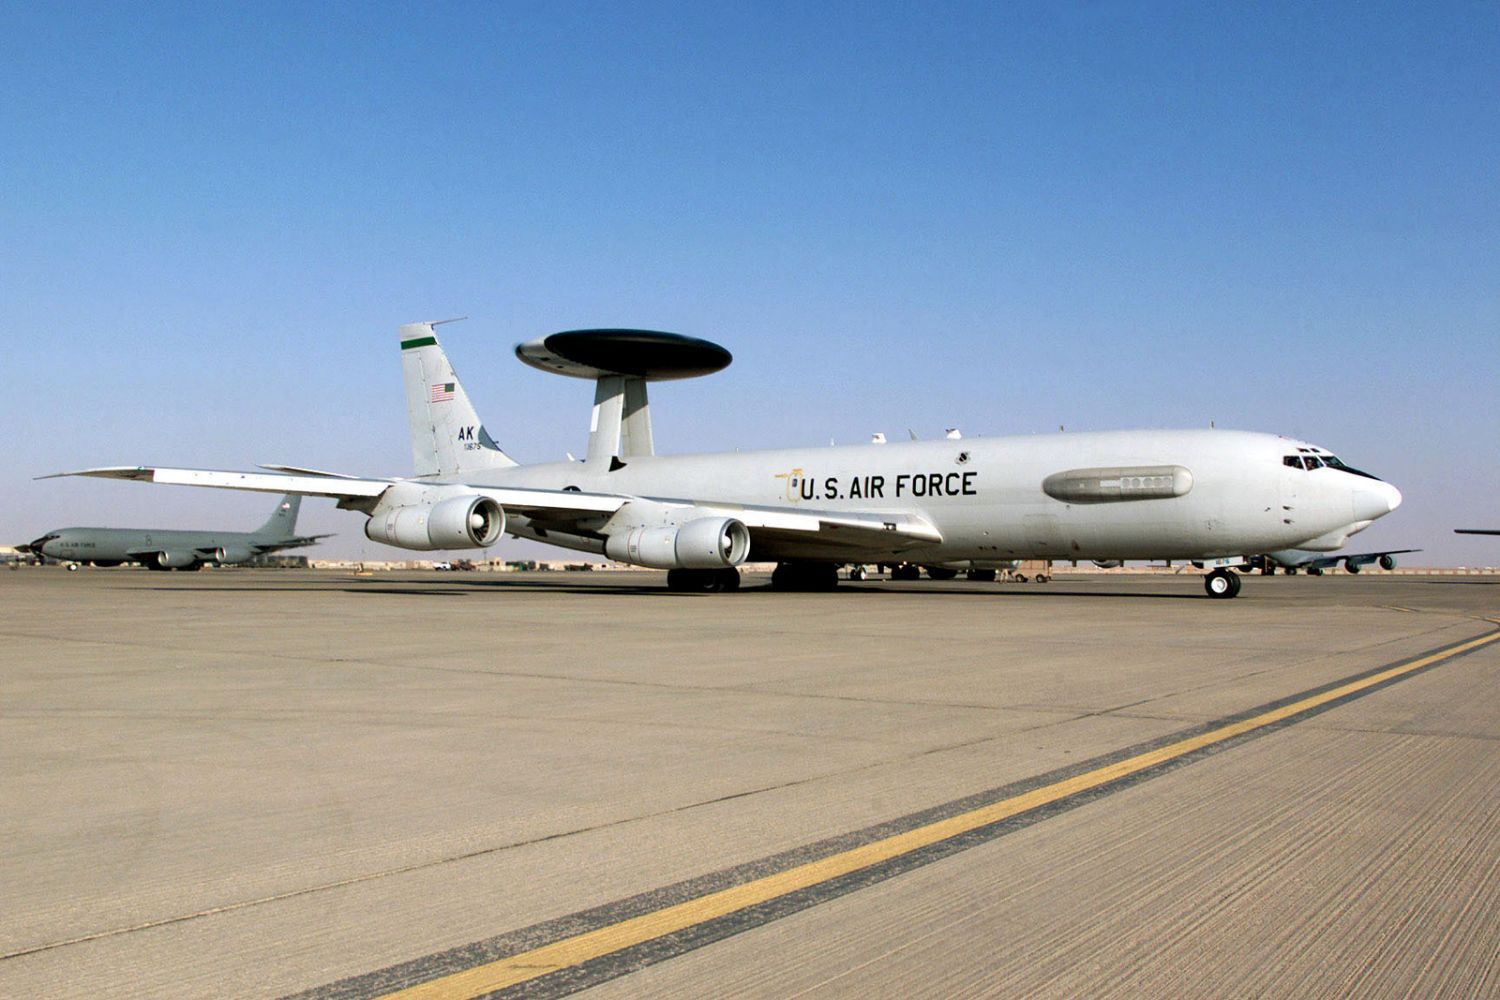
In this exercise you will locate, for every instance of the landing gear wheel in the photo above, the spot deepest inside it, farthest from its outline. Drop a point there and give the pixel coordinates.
(982, 575)
(941, 573)
(1350, 566)
(1315, 571)
(1289, 570)
(906, 571)
(1221, 584)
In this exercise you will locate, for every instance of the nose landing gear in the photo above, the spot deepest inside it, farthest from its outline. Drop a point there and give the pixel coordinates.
(1222, 584)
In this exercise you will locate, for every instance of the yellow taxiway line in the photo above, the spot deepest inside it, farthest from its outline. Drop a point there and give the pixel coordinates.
(581, 948)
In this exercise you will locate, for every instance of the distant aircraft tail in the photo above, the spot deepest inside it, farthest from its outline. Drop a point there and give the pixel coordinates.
(447, 437)
(283, 520)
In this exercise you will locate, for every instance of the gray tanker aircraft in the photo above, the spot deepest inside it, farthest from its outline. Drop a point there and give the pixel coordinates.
(157, 549)
(1208, 496)
(1314, 563)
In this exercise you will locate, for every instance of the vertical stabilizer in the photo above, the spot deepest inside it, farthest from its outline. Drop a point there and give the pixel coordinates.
(447, 437)
(283, 520)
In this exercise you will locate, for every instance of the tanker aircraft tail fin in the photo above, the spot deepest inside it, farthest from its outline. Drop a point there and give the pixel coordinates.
(283, 520)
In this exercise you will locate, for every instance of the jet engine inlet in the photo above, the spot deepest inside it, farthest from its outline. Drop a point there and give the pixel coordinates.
(464, 522)
(703, 543)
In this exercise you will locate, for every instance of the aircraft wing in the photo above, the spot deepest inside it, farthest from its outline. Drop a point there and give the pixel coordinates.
(835, 527)
(768, 524)
(350, 491)
(308, 485)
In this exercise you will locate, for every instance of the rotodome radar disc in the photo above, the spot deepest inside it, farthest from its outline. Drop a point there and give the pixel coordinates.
(645, 354)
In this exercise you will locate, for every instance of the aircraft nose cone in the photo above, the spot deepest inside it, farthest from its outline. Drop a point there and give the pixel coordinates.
(1375, 499)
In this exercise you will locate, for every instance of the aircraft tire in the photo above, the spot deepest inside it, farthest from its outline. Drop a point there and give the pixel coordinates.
(1289, 570)
(982, 575)
(1351, 567)
(1387, 563)
(941, 573)
(1221, 584)
(1315, 571)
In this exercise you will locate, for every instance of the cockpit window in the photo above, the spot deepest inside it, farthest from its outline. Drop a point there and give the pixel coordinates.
(1313, 462)
(1295, 461)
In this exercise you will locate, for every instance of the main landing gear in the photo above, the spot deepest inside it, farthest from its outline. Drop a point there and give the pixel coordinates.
(703, 581)
(1222, 584)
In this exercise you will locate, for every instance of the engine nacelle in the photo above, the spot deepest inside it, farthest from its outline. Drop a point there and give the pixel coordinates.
(175, 560)
(462, 522)
(227, 554)
(703, 543)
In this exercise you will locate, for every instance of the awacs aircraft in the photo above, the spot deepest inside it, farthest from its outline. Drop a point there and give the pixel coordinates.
(176, 549)
(1202, 495)
(1314, 563)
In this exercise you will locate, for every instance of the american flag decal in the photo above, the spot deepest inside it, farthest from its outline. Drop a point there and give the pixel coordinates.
(442, 392)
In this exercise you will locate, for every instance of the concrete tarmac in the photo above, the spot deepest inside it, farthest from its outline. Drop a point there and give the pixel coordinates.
(256, 783)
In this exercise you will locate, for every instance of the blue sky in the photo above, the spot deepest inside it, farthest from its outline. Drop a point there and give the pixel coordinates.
(1005, 218)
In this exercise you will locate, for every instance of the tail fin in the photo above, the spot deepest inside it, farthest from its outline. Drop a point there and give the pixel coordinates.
(283, 520)
(447, 437)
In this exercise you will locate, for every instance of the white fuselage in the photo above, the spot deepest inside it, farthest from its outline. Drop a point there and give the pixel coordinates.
(986, 498)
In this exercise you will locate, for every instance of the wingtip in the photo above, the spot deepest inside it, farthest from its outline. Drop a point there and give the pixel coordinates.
(108, 472)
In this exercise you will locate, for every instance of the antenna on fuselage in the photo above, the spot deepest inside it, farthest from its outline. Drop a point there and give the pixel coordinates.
(621, 362)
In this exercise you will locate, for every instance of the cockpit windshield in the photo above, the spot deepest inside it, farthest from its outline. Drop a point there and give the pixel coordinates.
(1333, 462)
(1309, 461)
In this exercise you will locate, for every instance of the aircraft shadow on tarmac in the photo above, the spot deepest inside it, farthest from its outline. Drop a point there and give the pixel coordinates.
(871, 589)
(866, 590)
